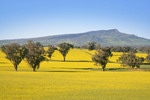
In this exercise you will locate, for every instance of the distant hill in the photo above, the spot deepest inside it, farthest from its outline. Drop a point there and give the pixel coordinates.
(105, 37)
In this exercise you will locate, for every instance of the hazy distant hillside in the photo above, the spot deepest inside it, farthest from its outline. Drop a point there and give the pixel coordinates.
(106, 37)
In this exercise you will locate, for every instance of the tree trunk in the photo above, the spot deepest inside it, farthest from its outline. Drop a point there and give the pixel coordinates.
(64, 58)
(15, 67)
(138, 66)
(34, 69)
(103, 68)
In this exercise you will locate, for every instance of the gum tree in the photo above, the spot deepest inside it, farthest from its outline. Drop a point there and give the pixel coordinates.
(91, 45)
(101, 57)
(131, 60)
(15, 53)
(35, 55)
(64, 48)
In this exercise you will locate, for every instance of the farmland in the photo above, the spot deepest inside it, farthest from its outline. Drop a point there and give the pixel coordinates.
(76, 79)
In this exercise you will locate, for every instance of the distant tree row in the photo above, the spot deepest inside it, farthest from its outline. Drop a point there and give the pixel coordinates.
(144, 49)
(33, 53)
(123, 49)
(92, 46)
(131, 49)
(148, 58)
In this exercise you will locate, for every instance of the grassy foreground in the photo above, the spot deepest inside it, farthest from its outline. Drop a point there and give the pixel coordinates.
(75, 79)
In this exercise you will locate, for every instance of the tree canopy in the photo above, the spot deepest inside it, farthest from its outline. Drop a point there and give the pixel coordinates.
(91, 45)
(50, 51)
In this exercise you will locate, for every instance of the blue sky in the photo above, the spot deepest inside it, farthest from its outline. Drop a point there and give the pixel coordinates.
(35, 18)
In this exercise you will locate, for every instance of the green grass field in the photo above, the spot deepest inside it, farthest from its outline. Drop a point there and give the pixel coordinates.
(75, 79)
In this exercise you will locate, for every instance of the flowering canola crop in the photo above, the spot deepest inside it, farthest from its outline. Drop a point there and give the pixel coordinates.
(76, 79)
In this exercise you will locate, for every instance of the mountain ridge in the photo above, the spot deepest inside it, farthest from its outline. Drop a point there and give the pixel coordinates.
(111, 37)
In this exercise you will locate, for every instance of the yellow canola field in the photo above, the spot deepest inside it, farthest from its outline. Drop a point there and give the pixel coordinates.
(75, 79)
